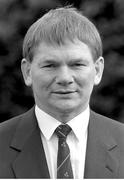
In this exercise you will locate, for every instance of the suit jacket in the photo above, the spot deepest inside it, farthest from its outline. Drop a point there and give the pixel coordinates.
(22, 154)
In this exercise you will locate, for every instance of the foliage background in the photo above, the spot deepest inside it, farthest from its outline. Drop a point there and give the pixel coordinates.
(15, 18)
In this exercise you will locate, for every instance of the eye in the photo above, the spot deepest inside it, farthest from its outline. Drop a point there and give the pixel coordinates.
(78, 64)
(49, 66)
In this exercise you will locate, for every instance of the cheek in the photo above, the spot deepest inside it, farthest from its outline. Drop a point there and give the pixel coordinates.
(85, 80)
(41, 81)
(85, 77)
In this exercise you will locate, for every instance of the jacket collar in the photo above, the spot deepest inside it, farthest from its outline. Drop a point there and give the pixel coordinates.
(102, 150)
(30, 161)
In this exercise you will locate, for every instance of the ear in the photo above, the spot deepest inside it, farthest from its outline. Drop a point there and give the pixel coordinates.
(99, 67)
(26, 71)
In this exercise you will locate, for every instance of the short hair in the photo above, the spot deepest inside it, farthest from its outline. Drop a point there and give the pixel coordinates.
(59, 25)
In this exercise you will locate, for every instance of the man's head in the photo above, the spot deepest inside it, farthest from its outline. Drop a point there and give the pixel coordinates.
(62, 62)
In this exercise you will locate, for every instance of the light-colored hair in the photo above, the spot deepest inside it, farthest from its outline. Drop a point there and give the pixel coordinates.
(60, 25)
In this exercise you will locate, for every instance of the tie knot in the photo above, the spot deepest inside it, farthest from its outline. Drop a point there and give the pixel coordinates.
(63, 130)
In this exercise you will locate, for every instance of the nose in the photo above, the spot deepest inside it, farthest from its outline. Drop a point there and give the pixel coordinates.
(64, 76)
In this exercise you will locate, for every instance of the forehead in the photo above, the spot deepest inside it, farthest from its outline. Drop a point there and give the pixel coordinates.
(69, 50)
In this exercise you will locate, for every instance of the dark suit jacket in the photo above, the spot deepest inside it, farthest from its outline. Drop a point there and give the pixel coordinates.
(22, 154)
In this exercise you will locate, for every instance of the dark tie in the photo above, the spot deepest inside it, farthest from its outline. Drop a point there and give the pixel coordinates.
(64, 169)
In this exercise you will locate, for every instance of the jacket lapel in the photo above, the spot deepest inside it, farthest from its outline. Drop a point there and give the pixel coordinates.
(102, 151)
(30, 161)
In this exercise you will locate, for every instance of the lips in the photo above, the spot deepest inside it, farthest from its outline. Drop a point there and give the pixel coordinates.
(64, 91)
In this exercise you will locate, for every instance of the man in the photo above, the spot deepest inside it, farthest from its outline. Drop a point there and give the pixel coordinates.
(62, 63)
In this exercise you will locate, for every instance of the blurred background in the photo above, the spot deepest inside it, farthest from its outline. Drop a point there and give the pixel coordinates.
(16, 16)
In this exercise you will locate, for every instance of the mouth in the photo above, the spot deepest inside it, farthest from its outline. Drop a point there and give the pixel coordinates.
(63, 92)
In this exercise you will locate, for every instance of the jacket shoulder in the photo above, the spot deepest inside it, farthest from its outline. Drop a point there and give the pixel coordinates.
(108, 126)
(8, 127)
(103, 119)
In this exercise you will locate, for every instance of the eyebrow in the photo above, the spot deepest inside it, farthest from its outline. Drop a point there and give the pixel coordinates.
(50, 61)
(78, 60)
(53, 61)
(45, 62)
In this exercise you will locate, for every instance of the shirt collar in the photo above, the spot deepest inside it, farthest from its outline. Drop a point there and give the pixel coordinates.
(79, 124)
(48, 124)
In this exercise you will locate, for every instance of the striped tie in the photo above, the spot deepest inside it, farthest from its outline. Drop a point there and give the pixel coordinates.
(64, 169)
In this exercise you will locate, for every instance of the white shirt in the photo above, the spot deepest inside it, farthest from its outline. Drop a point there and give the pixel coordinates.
(77, 140)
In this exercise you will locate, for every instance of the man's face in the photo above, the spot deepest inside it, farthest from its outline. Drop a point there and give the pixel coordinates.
(62, 77)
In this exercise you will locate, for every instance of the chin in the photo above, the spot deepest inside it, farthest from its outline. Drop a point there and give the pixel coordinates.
(66, 107)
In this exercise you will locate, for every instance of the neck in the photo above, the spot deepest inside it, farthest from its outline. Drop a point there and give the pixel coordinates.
(65, 115)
